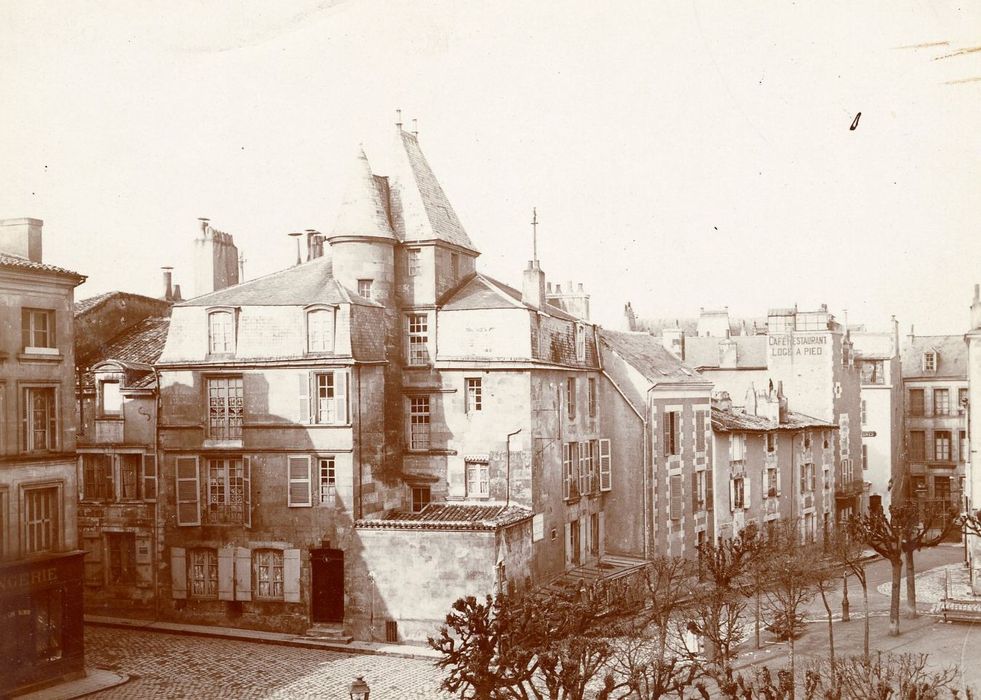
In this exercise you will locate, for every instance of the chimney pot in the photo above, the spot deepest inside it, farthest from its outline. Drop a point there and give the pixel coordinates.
(558, 288)
(548, 286)
(168, 282)
(580, 287)
(177, 293)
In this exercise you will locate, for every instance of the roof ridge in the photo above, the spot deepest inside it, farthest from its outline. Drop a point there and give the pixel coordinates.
(322, 260)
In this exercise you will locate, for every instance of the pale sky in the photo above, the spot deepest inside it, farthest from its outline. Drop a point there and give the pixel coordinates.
(680, 154)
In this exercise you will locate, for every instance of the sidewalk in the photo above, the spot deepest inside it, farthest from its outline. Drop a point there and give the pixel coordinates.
(404, 651)
(94, 680)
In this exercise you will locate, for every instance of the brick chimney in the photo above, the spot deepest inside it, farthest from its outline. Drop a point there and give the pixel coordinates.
(21, 237)
(215, 260)
(533, 285)
(168, 282)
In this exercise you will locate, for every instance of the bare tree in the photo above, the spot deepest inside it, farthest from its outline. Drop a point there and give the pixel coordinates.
(849, 553)
(903, 676)
(934, 524)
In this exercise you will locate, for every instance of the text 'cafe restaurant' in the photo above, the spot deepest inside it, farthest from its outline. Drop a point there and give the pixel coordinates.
(41, 623)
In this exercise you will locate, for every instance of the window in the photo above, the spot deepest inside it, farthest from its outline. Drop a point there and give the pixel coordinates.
(121, 548)
(328, 480)
(414, 262)
(941, 402)
(864, 414)
(929, 361)
(39, 418)
(37, 328)
(941, 446)
(865, 457)
(807, 440)
(226, 489)
(298, 487)
(478, 480)
(700, 431)
(221, 332)
(675, 496)
(605, 465)
(873, 372)
(916, 402)
(772, 482)
(97, 477)
(568, 471)
(580, 342)
(40, 518)
(738, 493)
(112, 400)
(418, 339)
(420, 498)
(268, 567)
(771, 442)
(129, 476)
(419, 423)
(591, 396)
(962, 400)
(825, 439)
(474, 397)
(320, 330)
(570, 397)
(941, 487)
(149, 477)
(698, 490)
(672, 430)
(917, 444)
(962, 450)
(738, 447)
(330, 390)
(202, 574)
(225, 408)
(585, 469)
(364, 288)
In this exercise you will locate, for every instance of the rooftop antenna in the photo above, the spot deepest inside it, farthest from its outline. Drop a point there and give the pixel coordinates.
(297, 235)
(534, 234)
(398, 119)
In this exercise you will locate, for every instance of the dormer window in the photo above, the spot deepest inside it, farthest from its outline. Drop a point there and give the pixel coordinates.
(221, 332)
(320, 330)
(930, 361)
(580, 342)
(112, 399)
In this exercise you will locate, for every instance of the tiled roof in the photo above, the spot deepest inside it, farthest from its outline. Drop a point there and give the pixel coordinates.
(420, 208)
(364, 209)
(480, 291)
(704, 351)
(309, 283)
(138, 347)
(951, 356)
(16, 262)
(450, 516)
(85, 304)
(725, 421)
(645, 354)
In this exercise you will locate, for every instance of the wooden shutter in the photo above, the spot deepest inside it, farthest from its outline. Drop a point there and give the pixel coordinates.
(188, 491)
(291, 575)
(178, 573)
(747, 489)
(709, 492)
(243, 574)
(303, 397)
(694, 493)
(298, 493)
(149, 477)
(674, 484)
(583, 453)
(778, 479)
(568, 543)
(605, 465)
(732, 494)
(226, 573)
(803, 477)
(247, 491)
(602, 533)
(341, 390)
(668, 419)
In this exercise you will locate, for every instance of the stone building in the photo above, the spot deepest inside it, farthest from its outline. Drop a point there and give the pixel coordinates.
(657, 412)
(812, 355)
(40, 562)
(880, 368)
(973, 418)
(117, 404)
(935, 386)
(378, 416)
(771, 464)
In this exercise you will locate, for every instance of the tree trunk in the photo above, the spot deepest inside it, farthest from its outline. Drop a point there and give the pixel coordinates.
(910, 584)
(844, 599)
(793, 674)
(831, 629)
(757, 617)
(865, 601)
(897, 576)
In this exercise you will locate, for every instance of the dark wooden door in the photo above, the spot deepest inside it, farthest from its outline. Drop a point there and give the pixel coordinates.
(327, 585)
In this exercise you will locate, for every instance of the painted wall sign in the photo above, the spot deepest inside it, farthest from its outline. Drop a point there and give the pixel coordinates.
(796, 345)
(868, 433)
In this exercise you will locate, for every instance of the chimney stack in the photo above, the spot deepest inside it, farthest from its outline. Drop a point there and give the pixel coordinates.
(976, 308)
(215, 260)
(168, 283)
(533, 285)
(21, 237)
(574, 300)
(177, 293)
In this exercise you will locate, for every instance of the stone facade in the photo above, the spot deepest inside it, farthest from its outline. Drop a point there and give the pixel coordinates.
(973, 490)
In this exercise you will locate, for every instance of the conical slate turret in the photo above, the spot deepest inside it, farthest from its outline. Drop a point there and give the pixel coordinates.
(364, 209)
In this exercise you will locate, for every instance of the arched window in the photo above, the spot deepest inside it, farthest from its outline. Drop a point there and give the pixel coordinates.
(221, 332)
(320, 330)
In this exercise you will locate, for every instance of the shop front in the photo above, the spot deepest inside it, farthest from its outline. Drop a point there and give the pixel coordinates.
(41, 624)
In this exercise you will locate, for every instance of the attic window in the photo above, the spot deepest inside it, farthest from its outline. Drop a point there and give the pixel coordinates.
(221, 332)
(320, 330)
(930, 361)
(580, 342)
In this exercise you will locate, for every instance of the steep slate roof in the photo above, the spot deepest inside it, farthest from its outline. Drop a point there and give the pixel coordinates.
(364, 208)
(311, 282)
(420, 208)
(645, 354)
(450, 516)
(725, 421)
(482, 292)
(15, 262)
(704, 351)
(135, 348)
(951, 356)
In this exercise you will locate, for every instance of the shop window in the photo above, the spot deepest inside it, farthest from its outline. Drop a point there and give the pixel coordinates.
(267, 566)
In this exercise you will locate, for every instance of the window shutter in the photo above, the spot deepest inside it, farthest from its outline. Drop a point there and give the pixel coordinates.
(243, 574)
(178, 573)
(341, 386)
(568, 543)
(694, 493)
(298, 489)
(291, 575)
(303, 394)
(583, 447)
(732, 494)
(601, 545)
(247, 491)
(747, 490)
(803, 477)
(25, 329)
(455, 477)
(709, 486)
(605, 464)
(226, 573)
(188, 491)
(667, 419)
(779, 470)
(674, 482)
(149, 477)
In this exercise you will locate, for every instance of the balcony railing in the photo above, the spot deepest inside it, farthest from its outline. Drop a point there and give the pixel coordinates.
(850, 488)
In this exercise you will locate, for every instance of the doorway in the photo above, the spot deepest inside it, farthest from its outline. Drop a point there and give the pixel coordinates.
(327, 585)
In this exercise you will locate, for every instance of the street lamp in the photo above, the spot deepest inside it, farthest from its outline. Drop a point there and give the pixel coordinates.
(360, 689)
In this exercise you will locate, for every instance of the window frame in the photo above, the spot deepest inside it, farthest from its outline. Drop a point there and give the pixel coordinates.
(941, 401)
(473, 394)
(580, 340)
(413, 262)
(210, 564)
(364, 288)
(420, 414)
(229, 333)
(325, 341)
(570, 397)
(52, 419)
(29, 331)
(417, 501)
(225, 510)
(104, 411)
(417, 352)
(942, 440)
(340, 386)
(327, 480)
(929, 361)
(55, 517)
(917, 408)
(477, 473)
(229, 425)
(274, 560)
(591, 398)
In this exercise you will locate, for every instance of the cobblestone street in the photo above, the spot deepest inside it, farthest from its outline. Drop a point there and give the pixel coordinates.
(174, 666)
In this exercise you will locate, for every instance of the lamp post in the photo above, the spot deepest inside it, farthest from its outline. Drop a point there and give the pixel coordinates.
(360, 689)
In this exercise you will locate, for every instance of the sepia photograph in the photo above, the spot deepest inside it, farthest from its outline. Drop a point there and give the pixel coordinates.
(555, 350)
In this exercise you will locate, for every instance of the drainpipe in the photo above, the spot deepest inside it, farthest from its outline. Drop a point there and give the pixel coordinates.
(360, 447)
(507, 501)
(156, 507)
